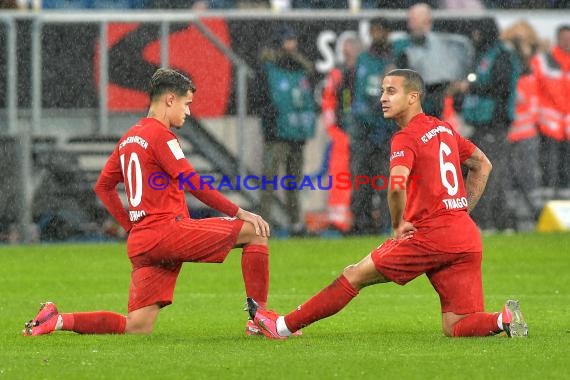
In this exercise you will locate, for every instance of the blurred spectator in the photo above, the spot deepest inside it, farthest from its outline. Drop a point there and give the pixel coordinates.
(331, 4)
(8, 4)
(191, 4)
(461, 4)
(489, 108)
(523, 134)
(288, 111)
(370, 133)
(527, 4)
(28, 4)
(440, 58)
(552, 70)
(92, 4)
(337, 117)
(404, 4)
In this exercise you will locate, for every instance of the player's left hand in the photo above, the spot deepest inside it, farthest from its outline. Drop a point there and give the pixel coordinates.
(260, 225)
(404, 231)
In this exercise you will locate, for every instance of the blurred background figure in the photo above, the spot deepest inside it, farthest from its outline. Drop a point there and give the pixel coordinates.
(461, 4)
(489, 107)
(440, 58)
(523, 133)
(198, 5)
(552, 71)
(332, 4)
(9, 4)
(337, 117)
(370, 134)
(288, 111)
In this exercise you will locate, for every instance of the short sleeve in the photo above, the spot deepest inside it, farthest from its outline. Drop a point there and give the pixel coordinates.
(170, 156)
(466, 147)
(402, 151)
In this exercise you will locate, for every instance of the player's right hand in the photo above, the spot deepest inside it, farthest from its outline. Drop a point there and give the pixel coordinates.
(260, 225)
(404, 231)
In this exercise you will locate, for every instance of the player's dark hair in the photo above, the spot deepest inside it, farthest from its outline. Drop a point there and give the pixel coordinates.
(167, 80)
(562, 28)
(413, 81)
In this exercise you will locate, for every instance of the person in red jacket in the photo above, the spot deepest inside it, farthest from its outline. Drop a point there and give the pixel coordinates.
(552, 71)
(433, 231)
(162, 235)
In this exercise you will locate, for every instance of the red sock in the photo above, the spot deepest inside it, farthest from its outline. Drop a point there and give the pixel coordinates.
(96, 322)
(255, 270)
(477, 324)
(327, 302)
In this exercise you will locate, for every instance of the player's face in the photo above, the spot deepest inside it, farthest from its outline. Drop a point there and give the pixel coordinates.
(394, 99)
(564, 40)
(180, 108)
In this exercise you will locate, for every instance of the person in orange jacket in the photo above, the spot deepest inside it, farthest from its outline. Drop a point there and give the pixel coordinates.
(337, 118)
(552, 71)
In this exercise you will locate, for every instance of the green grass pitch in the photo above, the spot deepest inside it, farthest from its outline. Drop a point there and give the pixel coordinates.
(387, 332)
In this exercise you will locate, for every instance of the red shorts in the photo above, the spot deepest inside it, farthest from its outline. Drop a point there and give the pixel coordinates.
(154, 273)
(456, 277)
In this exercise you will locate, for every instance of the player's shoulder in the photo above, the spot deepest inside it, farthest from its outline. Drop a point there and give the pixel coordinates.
(423, 128)
(146, 132)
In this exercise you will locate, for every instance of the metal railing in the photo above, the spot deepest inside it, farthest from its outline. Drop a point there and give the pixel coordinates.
(23, 131)
(24, 134)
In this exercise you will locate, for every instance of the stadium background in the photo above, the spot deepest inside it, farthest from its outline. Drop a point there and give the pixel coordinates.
(388, 332)
(70, 113)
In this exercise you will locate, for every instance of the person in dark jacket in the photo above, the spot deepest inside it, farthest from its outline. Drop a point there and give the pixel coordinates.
(288, 112)
(490, 94)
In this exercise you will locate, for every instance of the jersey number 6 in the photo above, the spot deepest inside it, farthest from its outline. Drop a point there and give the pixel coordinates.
(445, 167)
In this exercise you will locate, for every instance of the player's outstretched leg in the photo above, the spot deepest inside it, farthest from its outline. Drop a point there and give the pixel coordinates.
(49, 320)
(327, 302)
(265, 319)
(47, 311)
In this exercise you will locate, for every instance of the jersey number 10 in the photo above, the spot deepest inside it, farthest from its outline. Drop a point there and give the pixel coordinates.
(135, 196)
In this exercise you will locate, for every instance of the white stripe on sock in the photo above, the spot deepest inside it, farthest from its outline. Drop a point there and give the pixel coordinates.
(500, 321)
(59, 323)
(282, 327)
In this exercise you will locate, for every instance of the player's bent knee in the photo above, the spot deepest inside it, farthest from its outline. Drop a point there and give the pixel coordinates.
(448, 322)
(448, 331)
(138, 327)
(247, 235)
(352, 275)
(258, 240)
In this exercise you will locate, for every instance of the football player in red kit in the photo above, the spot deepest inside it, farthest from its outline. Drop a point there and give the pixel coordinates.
(162, 235)
(433, 232)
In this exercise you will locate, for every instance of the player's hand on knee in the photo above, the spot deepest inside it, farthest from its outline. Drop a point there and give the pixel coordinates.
(259, 224)
(404, 231)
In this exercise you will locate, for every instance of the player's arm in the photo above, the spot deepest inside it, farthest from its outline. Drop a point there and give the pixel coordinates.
(171, 159)
(399, 176)
(479, 168)
(214, 199)
(106, 190)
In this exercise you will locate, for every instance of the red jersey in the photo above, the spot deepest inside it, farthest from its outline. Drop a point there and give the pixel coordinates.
(150, 161)
(436, 200)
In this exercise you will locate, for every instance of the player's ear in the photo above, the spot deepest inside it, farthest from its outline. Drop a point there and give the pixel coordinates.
(169, 99)
(414, 97)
